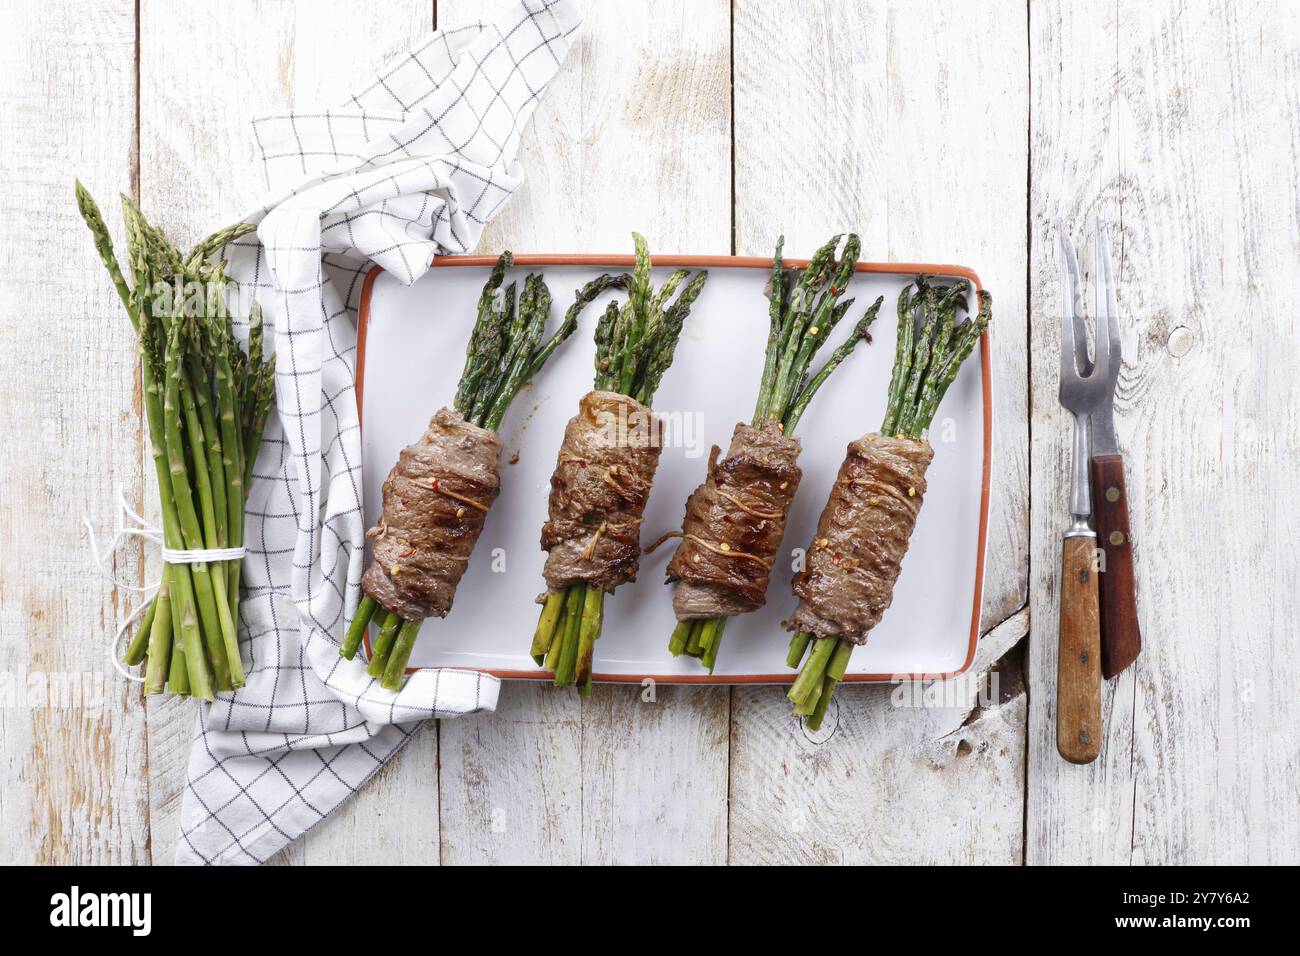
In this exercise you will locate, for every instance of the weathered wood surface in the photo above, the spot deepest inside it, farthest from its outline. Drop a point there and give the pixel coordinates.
(1177, 125)
(938, 131)
(73, 754)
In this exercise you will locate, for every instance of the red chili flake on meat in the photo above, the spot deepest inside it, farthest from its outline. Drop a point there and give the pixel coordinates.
(837, 557)
(407, 553)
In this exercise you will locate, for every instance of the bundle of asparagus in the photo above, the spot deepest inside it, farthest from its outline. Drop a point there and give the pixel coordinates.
(605, 469)
(206, 403)
(735, 520)
(438, 494)
(862, 536)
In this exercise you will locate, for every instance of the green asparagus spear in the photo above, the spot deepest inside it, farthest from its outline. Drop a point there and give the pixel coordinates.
(400, 656)
(635, 346)
(160, 641)
(800, 321)
(357, 629)
(926, 363)
(139, 646)
(383, 645)
(505, 351)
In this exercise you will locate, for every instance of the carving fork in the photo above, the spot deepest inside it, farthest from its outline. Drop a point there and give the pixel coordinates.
(1084, 387)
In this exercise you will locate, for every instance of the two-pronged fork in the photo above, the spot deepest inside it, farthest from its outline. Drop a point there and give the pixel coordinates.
(1085, 387)
(1121, 640)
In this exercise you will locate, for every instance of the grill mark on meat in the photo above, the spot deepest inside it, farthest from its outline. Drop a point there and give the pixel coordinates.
(734, 524)
(426, 532)
(599, 491)
(862, 536)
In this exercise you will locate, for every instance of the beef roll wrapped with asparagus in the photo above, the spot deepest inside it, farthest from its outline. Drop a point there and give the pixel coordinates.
(736, 519)
(436, 498)
(862, 536)
(435, 502)
(599, 491)
(605, 468)
(856, 556)
(733, 526)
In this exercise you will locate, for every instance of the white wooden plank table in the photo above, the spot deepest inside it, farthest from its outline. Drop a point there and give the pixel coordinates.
(939, 131)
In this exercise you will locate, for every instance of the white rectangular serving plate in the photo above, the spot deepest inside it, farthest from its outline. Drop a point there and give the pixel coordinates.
(410, 354)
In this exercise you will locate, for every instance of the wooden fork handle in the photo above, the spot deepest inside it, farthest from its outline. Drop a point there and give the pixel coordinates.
(1078, 668)
(1121, 641)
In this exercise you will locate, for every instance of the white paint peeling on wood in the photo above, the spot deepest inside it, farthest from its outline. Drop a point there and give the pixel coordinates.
(897, 774)
(72, 737)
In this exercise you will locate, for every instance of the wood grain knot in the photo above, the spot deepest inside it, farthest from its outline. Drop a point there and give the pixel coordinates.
(1180, 341)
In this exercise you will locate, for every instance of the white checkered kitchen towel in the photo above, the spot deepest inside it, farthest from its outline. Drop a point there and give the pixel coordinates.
(411, 167)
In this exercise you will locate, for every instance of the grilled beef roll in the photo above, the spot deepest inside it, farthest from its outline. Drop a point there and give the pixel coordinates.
(599, 491)
(862, 536)
(435, 501)
(734, 524)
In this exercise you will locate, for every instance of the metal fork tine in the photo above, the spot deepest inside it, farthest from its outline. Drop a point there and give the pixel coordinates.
(1074, 342)
(1068, 298)
(1107, 323)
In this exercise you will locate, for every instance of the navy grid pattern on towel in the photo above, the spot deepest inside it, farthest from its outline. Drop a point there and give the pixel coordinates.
(409, 168)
